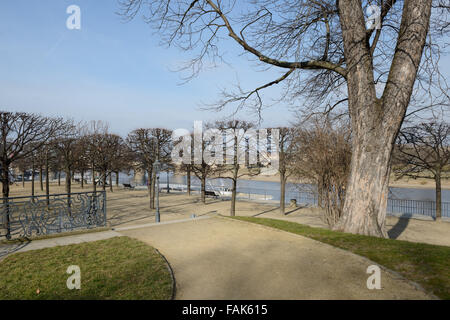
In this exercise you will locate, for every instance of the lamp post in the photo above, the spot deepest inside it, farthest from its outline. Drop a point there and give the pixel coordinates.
(157, 168)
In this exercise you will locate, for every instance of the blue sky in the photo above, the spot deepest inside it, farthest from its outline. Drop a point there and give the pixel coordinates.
(110, 70)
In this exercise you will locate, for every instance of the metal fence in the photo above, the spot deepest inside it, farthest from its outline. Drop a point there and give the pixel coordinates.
(41, 215)
(402, 207)
(409, 208)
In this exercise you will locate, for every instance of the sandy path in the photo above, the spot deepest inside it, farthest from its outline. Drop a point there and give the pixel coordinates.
(218, 258)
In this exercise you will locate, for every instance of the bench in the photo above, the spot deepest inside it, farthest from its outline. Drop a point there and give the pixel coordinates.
(128, 186)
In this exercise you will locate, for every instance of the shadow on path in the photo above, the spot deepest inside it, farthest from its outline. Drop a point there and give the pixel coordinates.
(398, 228)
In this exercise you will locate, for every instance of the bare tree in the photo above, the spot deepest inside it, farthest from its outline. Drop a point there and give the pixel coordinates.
(68, 148)
(204, 147)
(323, 157)
(187, 168)
(332, 56)
(423, 151)
(21, 135)
(236, 151)
(287, 152)
(162, 140)
(141, 144)
(149, 144)
(91, 135)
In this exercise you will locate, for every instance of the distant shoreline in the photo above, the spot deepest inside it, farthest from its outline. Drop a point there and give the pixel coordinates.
(403, 183)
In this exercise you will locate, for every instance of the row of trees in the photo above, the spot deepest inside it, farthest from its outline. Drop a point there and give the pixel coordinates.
(33, 142)
(318, 151)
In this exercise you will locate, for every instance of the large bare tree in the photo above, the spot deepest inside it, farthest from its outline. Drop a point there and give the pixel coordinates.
(331, 55)
(423, 151)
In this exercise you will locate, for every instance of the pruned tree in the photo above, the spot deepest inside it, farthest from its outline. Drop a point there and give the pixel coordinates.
(207, 156)
(236, 152)
(287, 153)
(147, 145)
(107, 148)
(22, 134)
(123, 161)
(423, 151)
(141, 145)
(187, 169)
(331, 53)
(162, 141)
(68, 148)
(92, 134)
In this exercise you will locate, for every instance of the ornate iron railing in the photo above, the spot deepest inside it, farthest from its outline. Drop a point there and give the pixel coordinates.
(42, 215)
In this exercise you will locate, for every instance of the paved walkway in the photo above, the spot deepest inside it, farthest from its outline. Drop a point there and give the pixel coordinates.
(219, 258)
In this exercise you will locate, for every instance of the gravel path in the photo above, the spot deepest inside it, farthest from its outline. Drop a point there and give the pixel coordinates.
(219, 258)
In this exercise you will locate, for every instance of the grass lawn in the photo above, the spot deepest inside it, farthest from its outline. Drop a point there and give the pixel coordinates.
(117, 268)
(426, 264)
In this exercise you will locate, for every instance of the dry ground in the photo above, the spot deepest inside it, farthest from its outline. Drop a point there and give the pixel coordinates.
(220, 258)
(130, 207)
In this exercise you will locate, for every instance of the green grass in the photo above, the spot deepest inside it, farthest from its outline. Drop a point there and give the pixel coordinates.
(117, 268)
(426, 264)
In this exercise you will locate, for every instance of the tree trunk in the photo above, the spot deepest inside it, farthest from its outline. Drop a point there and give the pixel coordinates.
(41, 177)
(94, 183)
(5, 190)
(5, 180)
(110, 182)
(104, 180)
(23, 179)
(68, 181)
(376, 121)
(320, 192)
(188, 181)
(32, 180)
(282, 192)
(59, 178)
(203, 186)
(47, 181)
(117, 179)
(438, 196)
(82, 178)
(233, 198)
(366, 194)
(68, 189)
